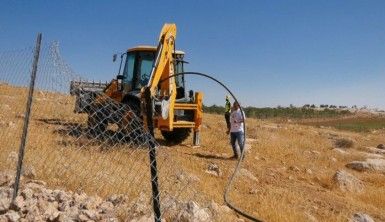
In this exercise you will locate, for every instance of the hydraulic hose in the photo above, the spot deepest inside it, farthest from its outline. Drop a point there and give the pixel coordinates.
(238, 164)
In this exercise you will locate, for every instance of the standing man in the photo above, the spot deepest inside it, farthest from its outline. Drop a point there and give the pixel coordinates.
(227, 113)
(237, 118)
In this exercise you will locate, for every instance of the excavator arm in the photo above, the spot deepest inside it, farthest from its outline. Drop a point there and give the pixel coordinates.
(163, 67)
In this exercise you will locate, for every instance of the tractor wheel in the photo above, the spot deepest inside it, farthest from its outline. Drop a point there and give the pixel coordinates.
(131, 123)
(97, 124)
(176, 136)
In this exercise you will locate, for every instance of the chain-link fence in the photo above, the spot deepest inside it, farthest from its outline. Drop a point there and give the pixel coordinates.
(87, 154)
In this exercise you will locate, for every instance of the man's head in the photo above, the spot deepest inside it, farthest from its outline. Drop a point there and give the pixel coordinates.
(227, 97)
(235, 105)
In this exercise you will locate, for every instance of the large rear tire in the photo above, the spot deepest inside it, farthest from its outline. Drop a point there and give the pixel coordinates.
(131, 123)
(178, 135)
(97, 123)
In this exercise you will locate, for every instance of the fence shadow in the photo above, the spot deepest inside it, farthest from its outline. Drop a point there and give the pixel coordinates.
(211, 156)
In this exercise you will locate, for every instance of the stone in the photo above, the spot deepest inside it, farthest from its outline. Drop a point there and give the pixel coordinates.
(106, 207)
(11, 124)
(116, 199)
(12, 157)
(114, 219)
(309, 171)
(18, 204)
(193, 178)
(82, 217)
(72, 212)
(368, 165)
(144, 218)
(250, 140)
(90, 203)
(33, 213)
(213, 169)
(347, 182)
(3, 218)
(340, 151)
(310, 218)
(375, 150)
(42, 204)
(61, 196)
(28, 172)
(12, 216)
(6, 192)
(253, 191)
(315, 152)
(5, 203)
(63, 218)
(6, 178)
(180, 176)
(51, 212)
(27, 193)
(92, 215)
(217, 209)
(139, 207)
(381, 146)
(38, 183)
(196, 213)
(248, 174)
(361, 217)
(294, 168)
(20, 115)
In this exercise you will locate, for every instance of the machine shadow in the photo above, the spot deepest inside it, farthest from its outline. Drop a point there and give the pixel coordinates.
(82, 136)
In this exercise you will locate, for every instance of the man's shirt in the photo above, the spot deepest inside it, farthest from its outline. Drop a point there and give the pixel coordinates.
(236, 121)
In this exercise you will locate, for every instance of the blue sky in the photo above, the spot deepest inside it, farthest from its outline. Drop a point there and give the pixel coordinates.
(268, 52)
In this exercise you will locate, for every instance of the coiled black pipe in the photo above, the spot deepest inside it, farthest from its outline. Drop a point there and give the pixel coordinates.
(238, 165)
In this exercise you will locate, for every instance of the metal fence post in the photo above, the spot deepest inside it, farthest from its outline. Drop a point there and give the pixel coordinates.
(27, 116)
(152, 155)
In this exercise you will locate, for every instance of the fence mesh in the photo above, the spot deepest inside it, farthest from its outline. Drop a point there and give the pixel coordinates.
(90, 147)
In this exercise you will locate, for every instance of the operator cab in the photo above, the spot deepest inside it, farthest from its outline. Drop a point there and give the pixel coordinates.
(138, 62)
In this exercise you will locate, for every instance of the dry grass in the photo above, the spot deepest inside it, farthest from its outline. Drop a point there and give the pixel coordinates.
(294, 164)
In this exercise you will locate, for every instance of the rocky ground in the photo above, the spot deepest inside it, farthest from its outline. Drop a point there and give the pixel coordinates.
(36, 202)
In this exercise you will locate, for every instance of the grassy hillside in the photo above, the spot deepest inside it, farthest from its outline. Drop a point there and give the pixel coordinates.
(287, 173)
(356, 124)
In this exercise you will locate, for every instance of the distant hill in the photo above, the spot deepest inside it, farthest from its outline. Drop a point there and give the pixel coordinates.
(284, 112)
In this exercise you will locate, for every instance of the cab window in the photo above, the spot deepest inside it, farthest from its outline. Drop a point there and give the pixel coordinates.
(144, 67)
(129, 68)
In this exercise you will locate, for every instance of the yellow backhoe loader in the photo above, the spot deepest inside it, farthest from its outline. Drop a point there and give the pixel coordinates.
(147, 79)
